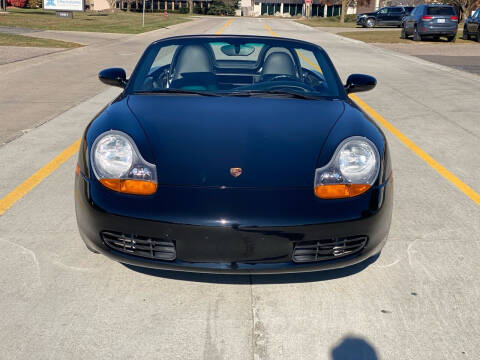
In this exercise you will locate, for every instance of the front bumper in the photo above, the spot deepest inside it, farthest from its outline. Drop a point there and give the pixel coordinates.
(250, 246)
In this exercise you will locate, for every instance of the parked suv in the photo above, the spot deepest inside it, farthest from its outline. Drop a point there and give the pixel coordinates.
(387, 16)
(472, 26)
(431, 20)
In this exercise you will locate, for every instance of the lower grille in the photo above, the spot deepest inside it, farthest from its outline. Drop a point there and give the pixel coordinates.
(318, 250)
(140, 245)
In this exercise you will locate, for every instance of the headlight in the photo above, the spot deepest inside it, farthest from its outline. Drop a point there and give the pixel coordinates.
(352, 170)
(119, 166)
(113, 156)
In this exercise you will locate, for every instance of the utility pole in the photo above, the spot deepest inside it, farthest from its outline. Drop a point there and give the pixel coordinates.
(143, 16)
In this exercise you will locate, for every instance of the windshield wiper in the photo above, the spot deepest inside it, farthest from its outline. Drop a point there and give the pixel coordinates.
(177, 91)
(289, 94)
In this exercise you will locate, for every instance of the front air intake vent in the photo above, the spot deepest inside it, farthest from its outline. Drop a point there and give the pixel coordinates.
(143, 246)
(327, 249)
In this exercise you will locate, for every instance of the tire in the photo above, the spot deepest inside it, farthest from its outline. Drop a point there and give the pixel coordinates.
(478, 36)
(452, 38)
(370, 23)
(465, 34)
(403, 34)
(416, 35)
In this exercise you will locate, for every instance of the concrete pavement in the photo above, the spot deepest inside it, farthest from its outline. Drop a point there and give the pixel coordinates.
(9, 54)
(417, 300)
(52, 84)
(79, 37)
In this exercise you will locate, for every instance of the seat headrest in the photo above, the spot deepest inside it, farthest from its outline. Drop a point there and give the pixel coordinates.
(192, 59)
(279, 63)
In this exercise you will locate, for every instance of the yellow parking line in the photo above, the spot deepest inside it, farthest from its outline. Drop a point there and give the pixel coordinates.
(25, 187)
(21, 190)
(315, 66)
(467, 190)
(227, 24)
(269, 29)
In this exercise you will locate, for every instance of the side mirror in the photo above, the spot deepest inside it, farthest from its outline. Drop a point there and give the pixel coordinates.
(360, 82)
(113, 77)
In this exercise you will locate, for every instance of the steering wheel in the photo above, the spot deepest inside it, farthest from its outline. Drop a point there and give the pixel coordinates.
(159, 77)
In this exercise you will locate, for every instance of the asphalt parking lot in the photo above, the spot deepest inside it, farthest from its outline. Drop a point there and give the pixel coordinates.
(465, 57)
(417, 300)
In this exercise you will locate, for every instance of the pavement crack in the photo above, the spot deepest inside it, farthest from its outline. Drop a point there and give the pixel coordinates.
(211, 350)
(32, 256)
(259, 345)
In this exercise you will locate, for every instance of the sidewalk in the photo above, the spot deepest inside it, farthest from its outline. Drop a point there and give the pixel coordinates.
(10, 54)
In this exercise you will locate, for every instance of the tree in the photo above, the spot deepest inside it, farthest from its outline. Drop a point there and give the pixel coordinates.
(345, 5)
(35, 4)
(223, 7)
(190, 6)
(464, 6)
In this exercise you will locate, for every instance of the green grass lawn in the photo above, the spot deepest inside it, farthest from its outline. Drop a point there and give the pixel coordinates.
(331, 21)
(20, 40)
(393, 37)
(117, 22)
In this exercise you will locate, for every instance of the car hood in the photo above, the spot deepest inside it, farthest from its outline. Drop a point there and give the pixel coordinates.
(197, 140)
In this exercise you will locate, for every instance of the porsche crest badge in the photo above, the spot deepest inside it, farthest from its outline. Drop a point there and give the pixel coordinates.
(235, 172)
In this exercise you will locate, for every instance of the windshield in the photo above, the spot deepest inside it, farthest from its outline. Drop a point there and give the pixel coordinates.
(232, 66)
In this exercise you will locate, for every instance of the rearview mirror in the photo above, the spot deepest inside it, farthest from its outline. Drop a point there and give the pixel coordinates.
(113, 77)
(360, 82)
(237, 50)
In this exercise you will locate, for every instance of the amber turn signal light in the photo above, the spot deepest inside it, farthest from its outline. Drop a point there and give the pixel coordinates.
(339, 191)
(128, 186)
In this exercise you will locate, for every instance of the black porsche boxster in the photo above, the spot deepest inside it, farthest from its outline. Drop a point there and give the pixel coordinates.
(234, 154)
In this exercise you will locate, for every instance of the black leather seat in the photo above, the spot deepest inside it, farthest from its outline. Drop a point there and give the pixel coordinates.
(192, 69)
(278, 64)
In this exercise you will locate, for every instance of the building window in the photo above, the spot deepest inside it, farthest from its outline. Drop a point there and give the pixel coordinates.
(270, 9)
(317, 10)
